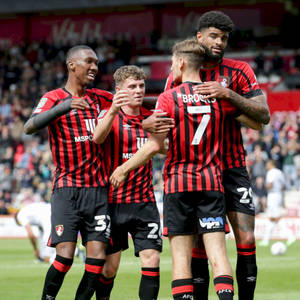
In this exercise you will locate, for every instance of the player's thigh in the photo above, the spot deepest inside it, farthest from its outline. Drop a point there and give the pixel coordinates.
(94, 213)
(112, 264)
(238, 192)
(210, 211)
(145, 227)
(65, 219)
(179, 214)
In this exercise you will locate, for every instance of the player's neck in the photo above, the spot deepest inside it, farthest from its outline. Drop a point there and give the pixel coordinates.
(75, 89)
(191, 76)
(209, 64)
(131, 110)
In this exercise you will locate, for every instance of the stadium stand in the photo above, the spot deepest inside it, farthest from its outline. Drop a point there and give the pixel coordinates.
(32, 62)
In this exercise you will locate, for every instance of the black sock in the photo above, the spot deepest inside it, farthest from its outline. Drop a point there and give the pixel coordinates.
(149, 284)
(246, 271)
(224, 287)
(182, 289)
(104, 287)
(200, 274)
(89, 281)
(55, 277)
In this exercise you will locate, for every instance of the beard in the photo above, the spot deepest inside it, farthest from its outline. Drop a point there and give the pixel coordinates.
(210, 56)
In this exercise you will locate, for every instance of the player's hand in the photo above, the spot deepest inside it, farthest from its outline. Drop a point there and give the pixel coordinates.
(79, 104)
(158, 123)
(211, 89)
(121, 98)
(117, 177)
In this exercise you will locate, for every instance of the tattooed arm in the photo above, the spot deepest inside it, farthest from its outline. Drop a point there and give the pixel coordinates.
(255, 108)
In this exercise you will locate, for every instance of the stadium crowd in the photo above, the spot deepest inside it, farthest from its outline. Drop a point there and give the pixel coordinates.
(26, 168)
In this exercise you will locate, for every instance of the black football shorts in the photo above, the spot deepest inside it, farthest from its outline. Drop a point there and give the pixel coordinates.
(141, 220)
(194, 212)
(238, 192)
(83, 210)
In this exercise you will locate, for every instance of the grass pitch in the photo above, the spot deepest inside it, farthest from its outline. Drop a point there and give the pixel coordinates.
(21, 277)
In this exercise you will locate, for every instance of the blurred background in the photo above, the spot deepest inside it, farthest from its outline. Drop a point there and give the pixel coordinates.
(34, 38)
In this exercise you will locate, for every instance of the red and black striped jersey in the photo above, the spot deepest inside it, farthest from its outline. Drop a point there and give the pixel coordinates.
(78, 160)
(124, 140)
(194, 159)
(238, 76)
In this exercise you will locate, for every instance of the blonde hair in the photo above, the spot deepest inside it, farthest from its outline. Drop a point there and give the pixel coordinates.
(128, 72)
(191, 51)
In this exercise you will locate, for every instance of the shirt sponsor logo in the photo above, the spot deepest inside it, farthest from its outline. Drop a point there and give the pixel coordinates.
(139, 143)
(195, 98)
(211, 223)
(83, 138)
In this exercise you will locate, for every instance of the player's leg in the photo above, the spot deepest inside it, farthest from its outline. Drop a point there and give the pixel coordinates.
(63, 237)
(106, 282)
(95, 232)
(149, 283)
(241, 214)
(179, 225)
(118, 243)
(181, 250)
(200, 271)
(146, 234)
(216, 251)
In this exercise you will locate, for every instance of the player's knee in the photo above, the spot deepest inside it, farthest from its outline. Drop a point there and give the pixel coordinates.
(149, 258)
(110, 270)
(247, 238)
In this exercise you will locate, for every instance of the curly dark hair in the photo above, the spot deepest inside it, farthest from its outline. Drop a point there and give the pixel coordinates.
(215, 19)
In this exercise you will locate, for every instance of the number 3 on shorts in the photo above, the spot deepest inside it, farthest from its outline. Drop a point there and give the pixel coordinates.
(103, 223)
(204, 122)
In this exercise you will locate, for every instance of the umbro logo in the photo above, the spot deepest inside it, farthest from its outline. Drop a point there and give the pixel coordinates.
(251, 279)
(126, 126)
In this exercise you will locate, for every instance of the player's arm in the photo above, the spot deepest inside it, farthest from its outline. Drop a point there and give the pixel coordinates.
(158, 123)
(249, 122)
(104, 125)
(32, 238)
(149, 102)
(255, 107)
(41, 120)
(145, 153)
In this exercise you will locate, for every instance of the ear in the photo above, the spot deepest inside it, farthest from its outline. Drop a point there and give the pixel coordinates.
(199, 35)
(71, 65)
(181, 64)
(117, 88)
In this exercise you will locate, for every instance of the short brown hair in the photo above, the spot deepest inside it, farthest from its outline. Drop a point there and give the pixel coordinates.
(125, 72)
(191, 50)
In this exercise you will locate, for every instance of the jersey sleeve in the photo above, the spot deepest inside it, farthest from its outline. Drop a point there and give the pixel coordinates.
(248, 83)
(46, 102)
(162, 103)
(169, 82)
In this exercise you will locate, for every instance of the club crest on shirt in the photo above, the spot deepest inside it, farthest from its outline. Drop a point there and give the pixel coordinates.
(224, 81)
(59, 229)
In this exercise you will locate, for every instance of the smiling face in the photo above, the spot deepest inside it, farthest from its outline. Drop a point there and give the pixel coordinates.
(214, 41)
(135, 88)
(83, 65)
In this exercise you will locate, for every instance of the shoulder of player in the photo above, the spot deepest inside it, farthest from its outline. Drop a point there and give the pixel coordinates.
(57, 94)
(145, 112)
(234, 63)
(100, 93)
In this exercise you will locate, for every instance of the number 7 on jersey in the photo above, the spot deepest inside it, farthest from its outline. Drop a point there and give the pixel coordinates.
(205, 110)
